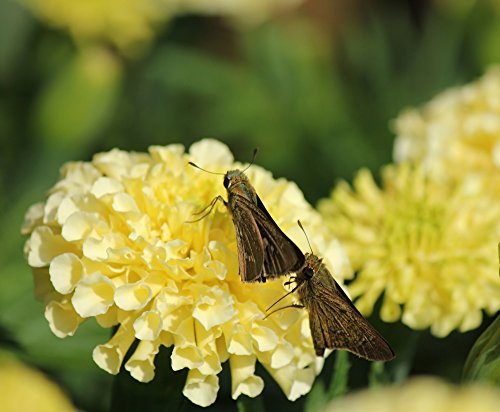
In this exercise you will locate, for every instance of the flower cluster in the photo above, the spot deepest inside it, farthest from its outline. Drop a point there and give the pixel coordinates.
(114, 242)
(427, 245)
(457, 132)
(424, 394)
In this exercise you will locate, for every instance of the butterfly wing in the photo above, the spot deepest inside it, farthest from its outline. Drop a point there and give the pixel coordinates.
(281, 255)
(337, 324)
(249, 242)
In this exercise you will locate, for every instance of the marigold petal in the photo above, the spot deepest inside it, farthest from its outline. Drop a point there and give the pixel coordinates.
(132, 296)
(215, 308)
(109, 356)
(93, 295)
(243, 378)
(43, 246)
(188, 356)
(33, 218)
(210, 151)
(201, 389)
(265, 338)
(65, 271)
(148, 326)
(106, 186)
(141, 363)
(62, 317)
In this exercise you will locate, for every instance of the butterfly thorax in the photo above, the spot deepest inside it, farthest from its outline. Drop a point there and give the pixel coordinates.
(237, 183)
(312, 276)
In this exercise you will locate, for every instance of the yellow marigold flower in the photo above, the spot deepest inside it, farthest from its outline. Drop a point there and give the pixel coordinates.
(112, 242)
(428, 246)
(459, 130)
(422, 394)
(127, 24)
(25, 389)
(130, 24)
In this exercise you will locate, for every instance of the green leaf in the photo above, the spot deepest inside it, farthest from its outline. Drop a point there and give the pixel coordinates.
(483, 361)
(378, 375)
(317, 398)
(79, 102)
(339, 382)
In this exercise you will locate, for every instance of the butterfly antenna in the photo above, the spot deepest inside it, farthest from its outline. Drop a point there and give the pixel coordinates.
(208, 171)
(280, 299)
(294, 305)
(305, 234)
(253, 158)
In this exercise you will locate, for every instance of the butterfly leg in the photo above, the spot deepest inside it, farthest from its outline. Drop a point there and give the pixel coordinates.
(292, 279)
(210, 206)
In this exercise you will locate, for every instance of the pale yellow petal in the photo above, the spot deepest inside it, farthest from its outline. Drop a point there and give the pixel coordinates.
(109, 356)
(243, 378)
(65, 270)
(93, 295)
(200, 389)
(141, 363)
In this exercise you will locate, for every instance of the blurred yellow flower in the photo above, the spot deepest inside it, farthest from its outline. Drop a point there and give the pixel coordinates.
(130, 25)
(428, 246)
(127, 24)
(25, 389)
(422, 394)
(112, 242)
(458, 131)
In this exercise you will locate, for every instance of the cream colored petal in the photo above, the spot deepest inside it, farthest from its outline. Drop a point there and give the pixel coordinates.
(106, 186)
(93, 295)
(81, 224)
(124, 203)
(200, 389)
(32, 218)
(188, 356)
(208, 152)
(109, 356)
(51, 209)
(65, 272)
(243, 378)
(108, 319)
(294, 382)
(141, 363)
(282, 355)
(214, 309)
(65, 209)
(148, 326)
(471, 320)
(211, 363)
(44, 245)
(240, 341)
(265, 338)
(62, 317)
(133, 296)
(99, 249)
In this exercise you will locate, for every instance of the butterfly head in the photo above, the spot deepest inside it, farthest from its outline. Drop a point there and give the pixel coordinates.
(234, 177)
(312, 264)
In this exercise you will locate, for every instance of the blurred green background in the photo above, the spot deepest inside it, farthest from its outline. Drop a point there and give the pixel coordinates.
(315, 88)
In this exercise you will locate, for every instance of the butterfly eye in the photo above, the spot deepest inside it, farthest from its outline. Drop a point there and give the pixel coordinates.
(226, 182)
(309, 273)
